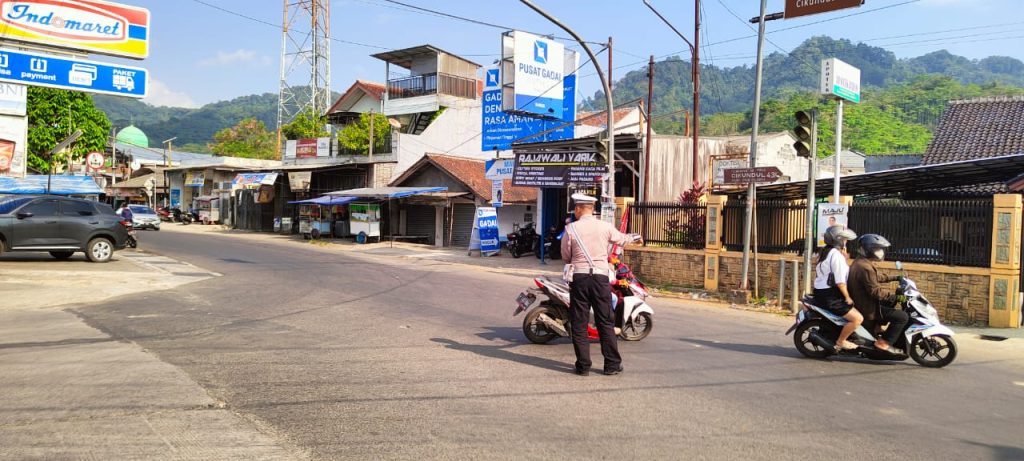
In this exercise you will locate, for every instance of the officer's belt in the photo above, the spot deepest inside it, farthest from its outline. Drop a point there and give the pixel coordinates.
(593, 271)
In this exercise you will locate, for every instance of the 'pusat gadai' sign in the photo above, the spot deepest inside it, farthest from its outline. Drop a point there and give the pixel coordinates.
(558, 169)
(90, 26)
(534, 84)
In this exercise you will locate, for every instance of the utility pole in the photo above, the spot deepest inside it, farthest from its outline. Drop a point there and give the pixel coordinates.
(695, 73)
(837, 163)
(168, 151)
(608, 208)
(812, 176)
(650, 130)
(752, 188)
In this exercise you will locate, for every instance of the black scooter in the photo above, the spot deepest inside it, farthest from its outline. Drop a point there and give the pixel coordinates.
(552, 244)
(522, 241)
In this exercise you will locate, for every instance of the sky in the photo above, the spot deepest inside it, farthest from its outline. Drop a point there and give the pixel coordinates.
(201, 53)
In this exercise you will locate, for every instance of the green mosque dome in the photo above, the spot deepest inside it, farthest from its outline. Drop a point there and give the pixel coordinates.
(132, 135)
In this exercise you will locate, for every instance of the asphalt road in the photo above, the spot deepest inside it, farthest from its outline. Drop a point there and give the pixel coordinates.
(352, 356)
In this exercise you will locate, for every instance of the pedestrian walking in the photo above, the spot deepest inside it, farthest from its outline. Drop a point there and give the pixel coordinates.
(585, 248)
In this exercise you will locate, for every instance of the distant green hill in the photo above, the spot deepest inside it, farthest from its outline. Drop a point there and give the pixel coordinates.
(193, 127)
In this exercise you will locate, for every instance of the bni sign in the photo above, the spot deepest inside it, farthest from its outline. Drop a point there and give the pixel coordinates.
(536, 77)
(840, 79)
(91, 26)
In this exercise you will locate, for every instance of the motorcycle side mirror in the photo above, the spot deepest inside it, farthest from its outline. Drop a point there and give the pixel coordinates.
(899, 265)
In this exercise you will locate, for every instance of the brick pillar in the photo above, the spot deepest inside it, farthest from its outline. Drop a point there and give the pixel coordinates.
(1004, 287)
(713, 241)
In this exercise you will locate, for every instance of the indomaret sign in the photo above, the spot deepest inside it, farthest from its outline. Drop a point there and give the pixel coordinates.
(797, 8)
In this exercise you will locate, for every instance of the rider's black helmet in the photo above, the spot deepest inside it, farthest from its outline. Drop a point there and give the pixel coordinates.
(867, 244)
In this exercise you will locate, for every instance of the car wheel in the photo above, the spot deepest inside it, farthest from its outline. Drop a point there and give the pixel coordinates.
(99, 250)
(62, 255)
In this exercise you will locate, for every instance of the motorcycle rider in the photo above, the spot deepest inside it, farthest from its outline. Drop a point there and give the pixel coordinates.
(830, 282)
(874, 302)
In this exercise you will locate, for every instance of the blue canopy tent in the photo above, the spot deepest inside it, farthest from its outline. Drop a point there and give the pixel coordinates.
(59, 185)
(326, 200)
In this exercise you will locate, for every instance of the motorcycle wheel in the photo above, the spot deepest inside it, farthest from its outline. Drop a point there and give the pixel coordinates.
(535, 330)
(933, 351)
(802, 340)
(514, 250)
(638, 329)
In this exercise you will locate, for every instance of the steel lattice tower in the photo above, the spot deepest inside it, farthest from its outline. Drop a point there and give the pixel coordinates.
(305, 60)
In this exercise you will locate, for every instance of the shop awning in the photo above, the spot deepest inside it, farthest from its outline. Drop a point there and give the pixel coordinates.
(252, 179)
(59, 185)
(326, 200)
(387, 192)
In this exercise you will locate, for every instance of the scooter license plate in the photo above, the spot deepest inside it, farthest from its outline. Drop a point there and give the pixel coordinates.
(525, 300)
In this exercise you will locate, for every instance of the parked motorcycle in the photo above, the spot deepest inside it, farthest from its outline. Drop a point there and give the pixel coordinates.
(925, 339)
(184, 217)
(131, 242)
(164, 213)
(522, 241)
(549, 319)
(552, 244)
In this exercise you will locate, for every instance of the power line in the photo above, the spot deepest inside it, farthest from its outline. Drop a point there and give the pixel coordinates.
(278, 26)
(985, 26)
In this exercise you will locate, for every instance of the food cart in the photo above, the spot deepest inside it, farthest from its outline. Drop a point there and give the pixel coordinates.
(208, 207)
(365, 221)
(323, 216)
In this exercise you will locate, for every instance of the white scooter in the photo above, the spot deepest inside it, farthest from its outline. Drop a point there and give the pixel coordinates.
(925, 339)
(549, 319)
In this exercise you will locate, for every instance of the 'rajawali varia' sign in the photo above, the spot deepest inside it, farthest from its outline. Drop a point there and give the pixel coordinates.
(557, 169)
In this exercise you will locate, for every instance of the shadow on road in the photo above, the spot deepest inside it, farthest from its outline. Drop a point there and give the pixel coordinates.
(503, 352)
(759, 349)
(1000, 452)
(63, 342)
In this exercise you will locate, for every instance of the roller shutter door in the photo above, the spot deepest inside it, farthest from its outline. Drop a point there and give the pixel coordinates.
(463, 215)
(419, 220)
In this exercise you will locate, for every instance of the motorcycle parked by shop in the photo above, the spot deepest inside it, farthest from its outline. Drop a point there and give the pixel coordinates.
(522, 241)
(925, 339)
(552, 244)
(164, 213)
(184, 217)
(131, 242)
(549, 319)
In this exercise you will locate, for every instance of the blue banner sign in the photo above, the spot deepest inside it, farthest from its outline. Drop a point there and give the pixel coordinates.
(72, 74)
(500, 129)
(487, 225)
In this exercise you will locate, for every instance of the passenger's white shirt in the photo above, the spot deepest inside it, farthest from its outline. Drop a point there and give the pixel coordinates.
(834, 263)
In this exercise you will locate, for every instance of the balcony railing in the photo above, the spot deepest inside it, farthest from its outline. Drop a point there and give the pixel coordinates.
(427, 84)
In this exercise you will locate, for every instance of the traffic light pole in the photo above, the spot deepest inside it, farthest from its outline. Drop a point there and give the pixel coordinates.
(812, 176)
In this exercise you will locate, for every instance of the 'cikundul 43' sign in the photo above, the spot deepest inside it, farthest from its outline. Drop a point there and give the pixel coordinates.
(90, 26)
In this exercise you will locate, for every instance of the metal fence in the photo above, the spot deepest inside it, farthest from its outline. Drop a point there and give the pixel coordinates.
(950, 232)
(780, 225)
(433, 83)
(669, 224)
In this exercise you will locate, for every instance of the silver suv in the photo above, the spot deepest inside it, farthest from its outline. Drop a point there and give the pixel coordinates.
(61, 226)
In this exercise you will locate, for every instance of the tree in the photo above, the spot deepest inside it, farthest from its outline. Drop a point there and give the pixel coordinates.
(306, 125)
(248, 139)
(355, 138)
(55, 114)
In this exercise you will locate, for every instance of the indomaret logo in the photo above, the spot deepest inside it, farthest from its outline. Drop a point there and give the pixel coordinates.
(66, 19)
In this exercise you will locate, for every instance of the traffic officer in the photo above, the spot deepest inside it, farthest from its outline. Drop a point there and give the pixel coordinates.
(585, 247)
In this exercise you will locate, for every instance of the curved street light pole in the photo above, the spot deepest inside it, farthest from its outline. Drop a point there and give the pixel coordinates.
(607, 208)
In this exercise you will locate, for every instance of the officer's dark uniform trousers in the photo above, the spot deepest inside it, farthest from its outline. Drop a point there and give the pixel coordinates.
(586, 291)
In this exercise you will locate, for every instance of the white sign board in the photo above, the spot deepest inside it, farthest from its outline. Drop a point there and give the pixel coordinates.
(840, 79)
(499, 168)
(539, 67)
(94, 161)
(13, 99)
(13, 140)
(831, 214)
(497, 192)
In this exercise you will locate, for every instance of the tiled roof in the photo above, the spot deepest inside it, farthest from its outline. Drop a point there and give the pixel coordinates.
(471, 173)
(978, 128)
(374, 89)
(599, 119)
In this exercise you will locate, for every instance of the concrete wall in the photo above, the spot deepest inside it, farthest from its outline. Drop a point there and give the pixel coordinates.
(455, 132)
(960, 294)
(509, 215)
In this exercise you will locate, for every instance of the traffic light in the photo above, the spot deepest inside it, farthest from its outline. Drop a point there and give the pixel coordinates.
(804, 131)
